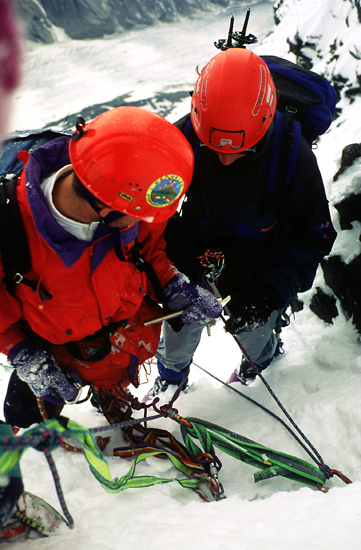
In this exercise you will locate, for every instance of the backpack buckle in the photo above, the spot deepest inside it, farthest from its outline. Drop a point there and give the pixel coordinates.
(17, 278)
(291, 109)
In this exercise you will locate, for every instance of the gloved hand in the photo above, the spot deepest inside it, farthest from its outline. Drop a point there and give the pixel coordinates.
(43, 375)
(252, 310)
(200, 306)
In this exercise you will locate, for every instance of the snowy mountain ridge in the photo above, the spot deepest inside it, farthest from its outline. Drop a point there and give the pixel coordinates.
(52, 21)
(332, 49)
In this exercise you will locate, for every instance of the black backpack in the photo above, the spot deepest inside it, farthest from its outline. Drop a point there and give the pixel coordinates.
(13, 240)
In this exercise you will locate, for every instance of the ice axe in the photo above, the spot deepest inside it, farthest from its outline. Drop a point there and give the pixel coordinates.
(223, 302)
(237, 39)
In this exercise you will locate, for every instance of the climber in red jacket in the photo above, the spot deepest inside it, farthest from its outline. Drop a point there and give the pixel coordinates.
(94, 207)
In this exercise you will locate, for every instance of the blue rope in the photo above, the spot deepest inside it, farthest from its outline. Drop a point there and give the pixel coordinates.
(59, 491)
(42, 439)
(126, 423)
(320, 463)
(319, 460)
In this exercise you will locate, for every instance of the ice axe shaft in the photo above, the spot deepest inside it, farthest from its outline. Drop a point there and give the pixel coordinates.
(217, 294)
(223, 302)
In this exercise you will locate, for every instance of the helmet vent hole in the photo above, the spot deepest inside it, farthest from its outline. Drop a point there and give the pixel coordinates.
(264, 118)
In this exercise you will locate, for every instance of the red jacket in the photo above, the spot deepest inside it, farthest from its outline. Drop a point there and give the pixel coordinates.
(90, 286)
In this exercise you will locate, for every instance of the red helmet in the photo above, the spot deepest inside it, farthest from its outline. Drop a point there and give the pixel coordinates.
(233, 102)
(134, 161)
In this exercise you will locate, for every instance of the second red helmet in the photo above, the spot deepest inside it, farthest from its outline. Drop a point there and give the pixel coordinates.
(233, 102)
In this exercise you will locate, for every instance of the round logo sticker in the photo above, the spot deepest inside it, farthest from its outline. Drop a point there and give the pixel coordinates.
(165, 190)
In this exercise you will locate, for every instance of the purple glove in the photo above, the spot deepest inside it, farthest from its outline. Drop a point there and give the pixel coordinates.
(41, 373)
(200, 306)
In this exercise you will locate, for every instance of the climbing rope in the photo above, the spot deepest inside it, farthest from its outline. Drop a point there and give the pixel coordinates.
(214, 262)
(44, 416)
(326, 470)
(319, 460)
(196, 464)
(42, 439)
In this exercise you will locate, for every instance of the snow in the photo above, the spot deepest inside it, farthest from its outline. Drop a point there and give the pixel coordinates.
(317, 379)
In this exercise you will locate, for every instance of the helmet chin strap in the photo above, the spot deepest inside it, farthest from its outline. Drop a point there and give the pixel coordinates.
(109, 218)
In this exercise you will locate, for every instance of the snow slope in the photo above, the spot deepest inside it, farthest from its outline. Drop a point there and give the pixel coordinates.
(317, 379)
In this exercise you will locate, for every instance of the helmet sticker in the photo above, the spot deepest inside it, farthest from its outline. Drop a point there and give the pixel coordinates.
(261, 92)
(165, 191)
(204, 79)
(269, 94)
(125, 196)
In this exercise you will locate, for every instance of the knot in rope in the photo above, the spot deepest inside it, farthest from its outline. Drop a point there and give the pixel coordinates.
(328, 473)
(326, 470)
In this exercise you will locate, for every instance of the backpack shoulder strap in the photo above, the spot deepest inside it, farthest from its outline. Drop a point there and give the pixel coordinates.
(143, 265)
(310, 94)
(285, 144)
(190, 134)
(14, 246)
(13, 240)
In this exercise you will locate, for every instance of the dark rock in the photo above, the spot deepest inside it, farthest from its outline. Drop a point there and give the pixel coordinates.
(349, 210)
(338, 82)
(352, 92)
(353, 290)
(296, 48)
(334, 274)
(81, 18)
(324, 306)
(38, 25)
(344, 281)
(296, 305)
(162, 103)
(349, 154)
(358, 8)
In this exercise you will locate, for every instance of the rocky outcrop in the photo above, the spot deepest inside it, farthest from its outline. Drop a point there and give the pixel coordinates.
(161, 103)
(326, 50)
(38, 26)
(81, 19)
(344, 278)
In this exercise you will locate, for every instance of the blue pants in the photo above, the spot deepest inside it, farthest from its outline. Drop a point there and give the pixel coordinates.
(176, 349)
